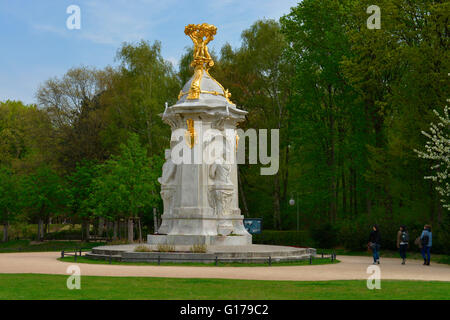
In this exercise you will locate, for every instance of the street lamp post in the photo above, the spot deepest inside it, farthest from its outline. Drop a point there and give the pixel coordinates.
(291, 203)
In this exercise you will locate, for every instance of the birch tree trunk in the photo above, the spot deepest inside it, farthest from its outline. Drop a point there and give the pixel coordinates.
(101, 223)
(130, 230)
(5, 232)
(116, 228)
(40, 233)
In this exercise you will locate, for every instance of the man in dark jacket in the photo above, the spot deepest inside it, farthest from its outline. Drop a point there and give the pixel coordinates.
(374, 243)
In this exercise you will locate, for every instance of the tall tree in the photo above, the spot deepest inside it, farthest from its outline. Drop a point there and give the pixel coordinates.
(9, 204)
(73, 104)
(326, 115)
(259, 76)
(138, 95)
(42, 195)
(79, 191)
(127, 184)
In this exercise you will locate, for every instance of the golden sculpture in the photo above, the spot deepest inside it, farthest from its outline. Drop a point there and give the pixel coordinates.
(190, 135)
(197, 33)
(201, 35)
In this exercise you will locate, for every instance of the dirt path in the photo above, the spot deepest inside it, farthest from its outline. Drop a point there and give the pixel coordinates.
(349, 268)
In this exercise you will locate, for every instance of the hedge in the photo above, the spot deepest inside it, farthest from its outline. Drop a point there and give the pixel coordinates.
(284, 238)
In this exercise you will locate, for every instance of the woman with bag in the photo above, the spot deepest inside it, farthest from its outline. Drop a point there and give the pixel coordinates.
(402, 242)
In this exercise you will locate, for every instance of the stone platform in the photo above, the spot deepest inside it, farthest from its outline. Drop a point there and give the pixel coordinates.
(236, 240)
(244, 254)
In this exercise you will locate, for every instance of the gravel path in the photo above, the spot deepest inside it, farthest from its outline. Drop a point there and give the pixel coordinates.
(350, 268)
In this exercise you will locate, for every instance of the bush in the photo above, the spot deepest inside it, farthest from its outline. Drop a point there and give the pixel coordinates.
(20, 231)
(64, 235)
(199, 248)
(283, 238)
(166, 248)
(353, 234)
(142, 248)
(441, 237)
(325, 235)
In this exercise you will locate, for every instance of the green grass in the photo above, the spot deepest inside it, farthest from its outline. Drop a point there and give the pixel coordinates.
(220, 264)
(37, 286)
(28, 246)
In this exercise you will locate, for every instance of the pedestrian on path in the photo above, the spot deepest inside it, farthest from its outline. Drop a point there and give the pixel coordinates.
(402, 242)
(374, 243)
(426, 239)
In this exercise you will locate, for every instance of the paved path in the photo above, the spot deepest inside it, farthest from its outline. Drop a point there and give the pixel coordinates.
(349, 268)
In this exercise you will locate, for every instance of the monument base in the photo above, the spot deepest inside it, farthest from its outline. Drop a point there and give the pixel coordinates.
(234, 240)
(254, 253)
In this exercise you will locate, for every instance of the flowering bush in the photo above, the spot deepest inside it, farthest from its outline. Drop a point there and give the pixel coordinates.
(437, 149)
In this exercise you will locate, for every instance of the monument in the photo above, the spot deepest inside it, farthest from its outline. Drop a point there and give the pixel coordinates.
(200, 193)
(201, 199)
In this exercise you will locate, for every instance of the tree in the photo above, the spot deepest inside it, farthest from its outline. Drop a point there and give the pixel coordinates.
(126, 185)
(42, 195)
(73, 103)
(438, 151)
(138, 95)
(258, 75)
(9, 204)
(325, 115)
(79, 191)
(25, 136)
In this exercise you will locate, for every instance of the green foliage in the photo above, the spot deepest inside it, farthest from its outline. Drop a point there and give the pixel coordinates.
(126, 184)
(325, 235)
(137, 95)
(43, 193)
(25, 134)
(353, 234)
(47, 246)
(284, 238)
(80, 188)
(9, 195)
(259, 77)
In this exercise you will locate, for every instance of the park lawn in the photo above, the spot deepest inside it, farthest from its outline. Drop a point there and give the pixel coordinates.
(220, 264)
(55, 245)
(39, 286)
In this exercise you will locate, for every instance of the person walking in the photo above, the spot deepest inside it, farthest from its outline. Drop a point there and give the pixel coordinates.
(374, 243)
(426, 239)
(402, 242)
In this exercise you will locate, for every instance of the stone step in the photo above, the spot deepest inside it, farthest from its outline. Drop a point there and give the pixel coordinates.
(95, 256)
(197, 258)
(219, 254)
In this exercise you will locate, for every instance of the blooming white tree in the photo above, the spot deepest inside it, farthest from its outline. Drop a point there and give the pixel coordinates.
(437, 149)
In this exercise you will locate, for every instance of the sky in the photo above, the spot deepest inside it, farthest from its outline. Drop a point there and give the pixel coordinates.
(37, 45)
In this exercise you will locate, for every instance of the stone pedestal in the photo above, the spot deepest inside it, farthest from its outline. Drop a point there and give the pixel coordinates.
(199, 180)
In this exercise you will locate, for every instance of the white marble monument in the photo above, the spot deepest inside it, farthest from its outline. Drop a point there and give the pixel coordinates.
(201, 196)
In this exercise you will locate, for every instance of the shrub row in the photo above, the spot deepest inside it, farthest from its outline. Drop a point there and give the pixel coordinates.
(353, 235)
(291, 238)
